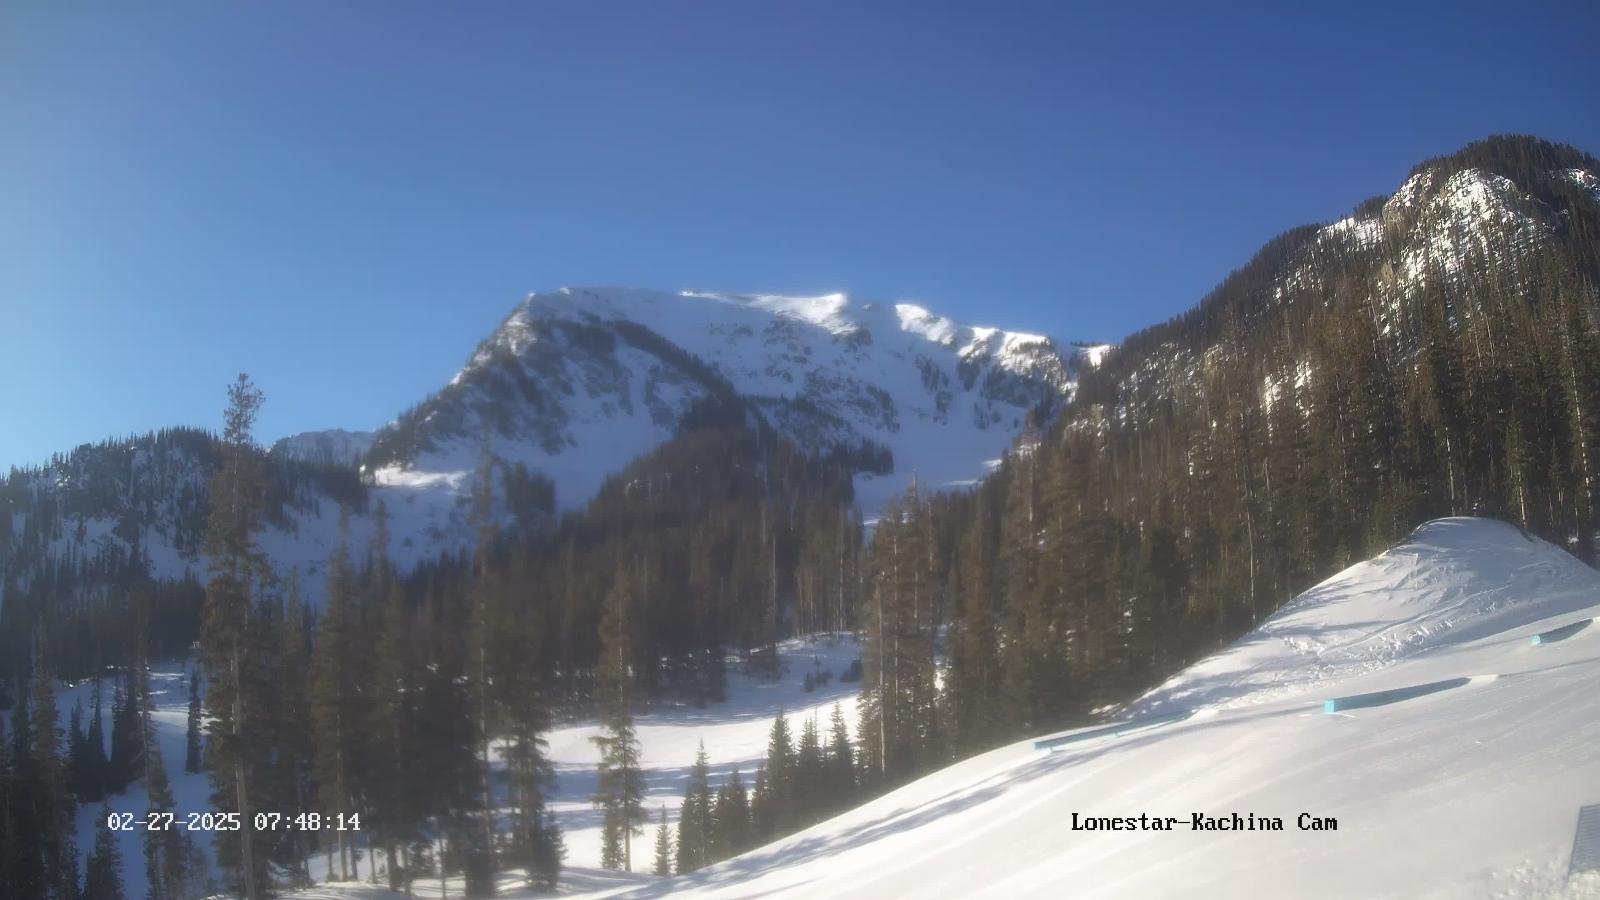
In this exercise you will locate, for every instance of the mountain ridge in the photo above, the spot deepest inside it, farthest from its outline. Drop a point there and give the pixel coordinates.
(616, 370)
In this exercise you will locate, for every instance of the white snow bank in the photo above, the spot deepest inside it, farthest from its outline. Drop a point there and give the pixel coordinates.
(1451, 581)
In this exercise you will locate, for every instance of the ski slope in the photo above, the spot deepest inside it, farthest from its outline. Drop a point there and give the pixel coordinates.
(1470, 791)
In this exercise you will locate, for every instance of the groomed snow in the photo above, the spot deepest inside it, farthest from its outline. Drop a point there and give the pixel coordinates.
(1471, 792)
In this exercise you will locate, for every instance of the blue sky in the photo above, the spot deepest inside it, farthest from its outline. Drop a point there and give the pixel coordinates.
(342, 199)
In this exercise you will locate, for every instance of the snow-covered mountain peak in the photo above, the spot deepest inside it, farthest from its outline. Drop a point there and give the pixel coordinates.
(1444, 218)
(577, 382)
(1471, 198)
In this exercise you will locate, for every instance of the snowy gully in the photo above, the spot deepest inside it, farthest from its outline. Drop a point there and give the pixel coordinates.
(1201, 822)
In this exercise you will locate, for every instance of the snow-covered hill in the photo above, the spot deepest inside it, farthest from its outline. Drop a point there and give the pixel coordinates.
(142, 502)
(1470, 791)
(577, 382)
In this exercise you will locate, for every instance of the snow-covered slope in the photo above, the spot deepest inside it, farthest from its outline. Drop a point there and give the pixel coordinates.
(1464, 793)
(1471, 791)
(1452, 582)
(735, 736)
(142, 502)
(1468, 792)
(577, 382)
(1437, 223)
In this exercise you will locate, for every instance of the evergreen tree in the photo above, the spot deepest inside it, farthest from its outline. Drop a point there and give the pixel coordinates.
(446, 749)
(290, 712)
(731, 820)
(103, 874)
(191, 755)
(53, 808)
(761, 811)
(84, 781)
(898, 704)
(841, 760)
(477, 862)
(694, 817)
(237, 568)
(620, 791)
(775, 791)
(12, 837)
(663, 846)
(395, 746)
(516, 661)
(127, 750)
(335, 710)
(26, 852)
(481, 846)
(973, 695)
(97, 762)
(525, 714)
(810, 776)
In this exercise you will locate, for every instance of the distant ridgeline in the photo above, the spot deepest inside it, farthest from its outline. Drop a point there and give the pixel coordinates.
(109, 536)
(107, 543)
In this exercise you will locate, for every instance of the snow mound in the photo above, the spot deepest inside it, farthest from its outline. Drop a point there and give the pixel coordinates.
(1451, 581)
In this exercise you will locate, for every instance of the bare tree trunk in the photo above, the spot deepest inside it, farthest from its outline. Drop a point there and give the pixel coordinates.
(241, 788)
(883, 712)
